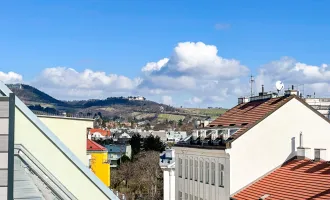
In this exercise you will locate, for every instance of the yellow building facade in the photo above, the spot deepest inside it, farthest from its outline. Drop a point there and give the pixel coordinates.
(98, 163)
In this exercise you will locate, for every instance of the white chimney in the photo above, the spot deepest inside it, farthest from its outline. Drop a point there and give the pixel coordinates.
(301, 140)
(319, 154)
(303, 153)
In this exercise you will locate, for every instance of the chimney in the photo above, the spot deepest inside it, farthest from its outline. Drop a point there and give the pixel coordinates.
(319, 154)
(262, 93)
(301, 140)
(292, 87)
(303, 152)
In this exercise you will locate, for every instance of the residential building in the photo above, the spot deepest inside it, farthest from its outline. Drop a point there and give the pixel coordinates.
(260, 133)
(116, 151)
(202, 172)
(71, 131)
(175, 136)
(298, 178)
(35, 163)
(99, 161)
(97, 133)
(320, 104)
(167, 164)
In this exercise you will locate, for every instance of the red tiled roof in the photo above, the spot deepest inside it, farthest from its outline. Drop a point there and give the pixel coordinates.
(296, 179)
(246, 115)
(101, 131)
(93, 146)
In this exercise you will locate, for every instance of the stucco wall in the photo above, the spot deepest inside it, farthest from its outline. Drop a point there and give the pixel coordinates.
(269, 144)
(100, 167)
(196, 188)
(27, 134)
(72, 132)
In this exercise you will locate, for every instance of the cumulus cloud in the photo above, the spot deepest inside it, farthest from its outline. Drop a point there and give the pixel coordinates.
(195, 68)
(292, 72)
(87, 83)
(155, 66)
(10, 77)
(167, 100)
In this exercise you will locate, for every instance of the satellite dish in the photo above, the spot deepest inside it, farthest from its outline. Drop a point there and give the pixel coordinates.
(279, 86)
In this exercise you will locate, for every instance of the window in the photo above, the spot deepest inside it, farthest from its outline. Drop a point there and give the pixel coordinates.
(207, 175)
(213, 173)
(180, 195)
(186, 168)
(191, 164)
(186, 196)
(191, 197)
(201, 171)
(180, 167)
(196, 170)
(232, 131)
(221, 175)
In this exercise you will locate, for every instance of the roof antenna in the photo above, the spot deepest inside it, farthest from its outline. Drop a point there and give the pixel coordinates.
(251, 81)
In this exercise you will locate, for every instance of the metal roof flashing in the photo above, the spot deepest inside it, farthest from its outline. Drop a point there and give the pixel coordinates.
(58, 143)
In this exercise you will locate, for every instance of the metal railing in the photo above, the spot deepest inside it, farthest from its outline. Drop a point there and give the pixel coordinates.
(43, 174)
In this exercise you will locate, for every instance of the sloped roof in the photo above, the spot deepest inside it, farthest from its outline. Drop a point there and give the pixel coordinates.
(104, 133)
(296, 179)
(93, 146)
(246, 115)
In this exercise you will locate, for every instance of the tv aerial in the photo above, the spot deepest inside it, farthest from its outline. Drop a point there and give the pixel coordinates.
(279, 86)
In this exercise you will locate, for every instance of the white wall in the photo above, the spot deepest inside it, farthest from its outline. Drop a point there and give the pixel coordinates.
(27, 134)
(72, 132)
(196, 188)
(268, 144)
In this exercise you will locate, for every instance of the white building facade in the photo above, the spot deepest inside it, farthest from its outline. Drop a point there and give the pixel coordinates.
(201, 173)
(266, 134)
(167, 164)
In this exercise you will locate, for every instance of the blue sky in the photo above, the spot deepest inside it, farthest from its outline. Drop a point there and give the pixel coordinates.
(121, 37)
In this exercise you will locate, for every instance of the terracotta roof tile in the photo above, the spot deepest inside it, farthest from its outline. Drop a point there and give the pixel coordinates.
(101, 131)
(93, 146)
(247, 115)
(297, 179)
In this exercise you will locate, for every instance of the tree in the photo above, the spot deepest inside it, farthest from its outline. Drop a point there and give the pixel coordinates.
(135, 144)
(152, 143)
(180, 122)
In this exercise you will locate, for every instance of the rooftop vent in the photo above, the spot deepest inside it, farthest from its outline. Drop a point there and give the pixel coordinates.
(262, 93)
(292, 91)
(319, 154)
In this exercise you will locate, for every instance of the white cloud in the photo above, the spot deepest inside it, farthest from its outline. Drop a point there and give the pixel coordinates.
(155, 66)
(194, 68)
(167, 100)
(11, 77)
(85, 84)
(291, 72)
(194, 100)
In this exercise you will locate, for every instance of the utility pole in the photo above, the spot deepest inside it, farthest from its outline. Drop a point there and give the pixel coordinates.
(251, 82)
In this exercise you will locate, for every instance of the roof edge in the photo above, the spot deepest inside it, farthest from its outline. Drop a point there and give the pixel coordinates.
(261, 119)
(58, 143)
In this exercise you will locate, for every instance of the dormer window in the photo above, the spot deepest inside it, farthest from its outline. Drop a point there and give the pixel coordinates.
(232, 131)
